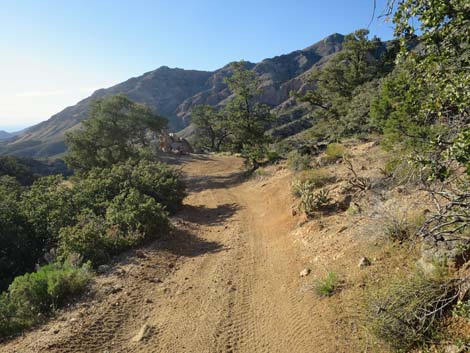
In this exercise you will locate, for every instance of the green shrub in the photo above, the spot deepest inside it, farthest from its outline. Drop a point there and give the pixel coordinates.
(273, 156)
(161, 182)
(327, 286)
(13, 167)
(131, 218)
(135, 212)
(462, 309)
(405, 312)
(9, 323)
(334, 152)
(88, 238)
(317, 177)
(20, 245)
(49, 206)
(156, 180)
(34, 295)
(297, 161)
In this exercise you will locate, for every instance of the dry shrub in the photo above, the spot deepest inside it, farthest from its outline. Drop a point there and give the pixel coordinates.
(334, 152)
(407, 312)
(317, 177)
(297, 161)
(401, 225)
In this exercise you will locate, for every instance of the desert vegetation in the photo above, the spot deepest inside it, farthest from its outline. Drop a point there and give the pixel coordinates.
(411, 98)
(119, 197)
(406, 100)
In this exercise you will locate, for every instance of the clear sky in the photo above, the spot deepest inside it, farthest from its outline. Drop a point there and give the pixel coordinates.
(55, 52)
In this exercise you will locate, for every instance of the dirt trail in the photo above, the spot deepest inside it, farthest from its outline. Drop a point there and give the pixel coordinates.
(232, 285)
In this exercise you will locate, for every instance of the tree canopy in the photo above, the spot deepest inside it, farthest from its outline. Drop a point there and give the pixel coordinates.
(117, 129)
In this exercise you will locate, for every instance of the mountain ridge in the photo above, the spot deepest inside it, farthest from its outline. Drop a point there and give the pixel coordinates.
(172, 92)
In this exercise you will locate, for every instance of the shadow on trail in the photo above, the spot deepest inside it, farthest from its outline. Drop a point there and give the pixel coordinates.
(208, 216)
(204, 182)
(179, 159)
(182, 242)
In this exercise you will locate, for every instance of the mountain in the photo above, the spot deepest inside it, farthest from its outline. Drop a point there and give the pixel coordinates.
(4, 135)
(172, 92)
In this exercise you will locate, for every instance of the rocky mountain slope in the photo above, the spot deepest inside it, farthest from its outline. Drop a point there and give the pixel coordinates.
(173, 93)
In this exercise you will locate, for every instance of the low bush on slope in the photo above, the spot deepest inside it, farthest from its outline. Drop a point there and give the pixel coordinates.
(120, 198)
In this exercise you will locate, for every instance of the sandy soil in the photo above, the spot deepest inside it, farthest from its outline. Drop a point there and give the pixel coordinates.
(226, 281)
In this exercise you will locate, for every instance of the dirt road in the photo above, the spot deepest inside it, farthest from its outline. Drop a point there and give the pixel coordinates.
(228, 280)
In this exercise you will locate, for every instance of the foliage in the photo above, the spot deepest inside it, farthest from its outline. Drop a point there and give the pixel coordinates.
(48, 205)
(32, 296)
(119, 199)
(462, 309)
(297, 161)
(122, 207)
(116, 130)
(273, 156)
(88, 238)
(240, 125)
(133, 212)
(401, 225)
(326, 287)
(451, 220)
(260, 173)
(153, 179)
(357, 118)
(346, 85)
(405, 312)
(211, 127)
(27, 170)
(438, 76)
(316, 177)
(20, 247)
(11, 166)
(334, 152)
(247, 119)
(160, 182)
(313, 201)
(300, 187)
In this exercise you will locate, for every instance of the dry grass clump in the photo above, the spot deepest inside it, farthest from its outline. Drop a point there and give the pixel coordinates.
(402, 225)
(334, 152)
(317, 178)
(407, 312)
(297, 161)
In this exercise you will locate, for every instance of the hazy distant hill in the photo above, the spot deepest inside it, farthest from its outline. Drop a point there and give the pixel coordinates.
(4, 135)
(173, 93)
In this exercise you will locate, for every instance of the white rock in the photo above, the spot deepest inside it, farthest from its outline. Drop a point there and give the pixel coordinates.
(143, 333)
(364, 262)
(305, 272)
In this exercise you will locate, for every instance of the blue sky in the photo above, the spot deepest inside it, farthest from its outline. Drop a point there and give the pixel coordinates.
(56, 52)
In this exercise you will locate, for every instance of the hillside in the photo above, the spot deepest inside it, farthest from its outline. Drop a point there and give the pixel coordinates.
(172, 92)
(230, 278)
(4, 135)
